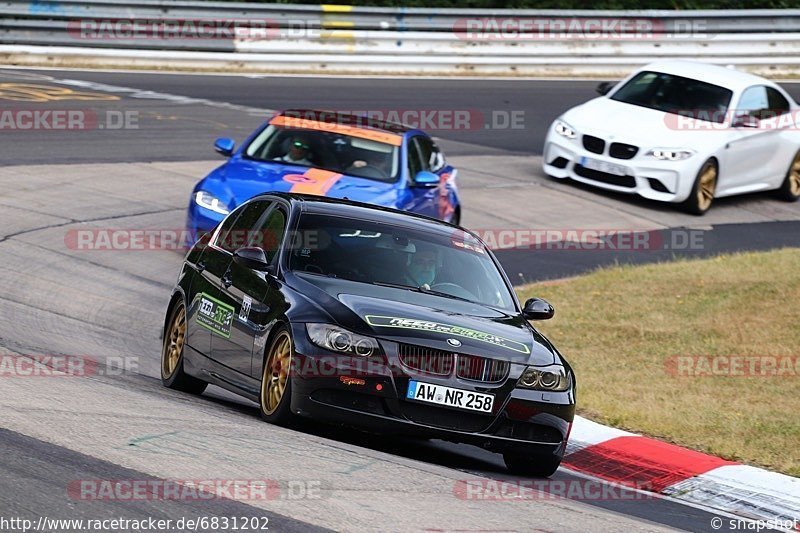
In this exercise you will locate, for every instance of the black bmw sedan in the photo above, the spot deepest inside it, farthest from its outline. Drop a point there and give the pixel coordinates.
(369, 317)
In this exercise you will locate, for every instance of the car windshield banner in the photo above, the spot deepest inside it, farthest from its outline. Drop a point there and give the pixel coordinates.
(446, 329)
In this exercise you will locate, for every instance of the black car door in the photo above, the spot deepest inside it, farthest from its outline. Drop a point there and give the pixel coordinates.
(253, 293)
(225, 327)
(203, 312)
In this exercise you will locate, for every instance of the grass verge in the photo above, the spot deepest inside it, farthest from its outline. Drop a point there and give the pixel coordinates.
(644, 340)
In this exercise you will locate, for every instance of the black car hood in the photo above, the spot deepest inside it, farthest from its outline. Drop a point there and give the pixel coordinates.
(406, 316)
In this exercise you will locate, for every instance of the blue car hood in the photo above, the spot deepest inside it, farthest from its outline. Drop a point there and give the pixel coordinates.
(242, 180)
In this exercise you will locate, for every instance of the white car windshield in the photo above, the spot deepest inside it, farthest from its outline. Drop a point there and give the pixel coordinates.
(676, 95)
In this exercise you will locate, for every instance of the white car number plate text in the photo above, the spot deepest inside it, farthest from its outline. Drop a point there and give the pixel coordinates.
(603, 166)
(438, 394)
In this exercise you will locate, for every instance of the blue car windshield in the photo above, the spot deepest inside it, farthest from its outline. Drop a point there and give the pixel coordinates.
(454, 265)
(329, 150)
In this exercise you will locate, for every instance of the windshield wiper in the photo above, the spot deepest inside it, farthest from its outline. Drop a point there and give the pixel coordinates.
(398, 286)
(423, 289)
(445, 295)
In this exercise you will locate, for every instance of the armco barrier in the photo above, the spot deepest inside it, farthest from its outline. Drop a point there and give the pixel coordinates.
(284, 37)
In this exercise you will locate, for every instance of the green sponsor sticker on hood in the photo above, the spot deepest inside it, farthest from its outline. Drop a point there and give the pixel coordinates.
(445, 329)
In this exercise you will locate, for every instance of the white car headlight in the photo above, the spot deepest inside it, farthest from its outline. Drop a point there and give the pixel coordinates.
(546, 378)
(565, 130)
(209, 201)
(339, 339)
(671, 154)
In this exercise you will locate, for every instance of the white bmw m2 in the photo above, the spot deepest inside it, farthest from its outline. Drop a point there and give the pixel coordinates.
(682, 132)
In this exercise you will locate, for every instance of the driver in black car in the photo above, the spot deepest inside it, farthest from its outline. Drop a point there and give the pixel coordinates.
(422, 266)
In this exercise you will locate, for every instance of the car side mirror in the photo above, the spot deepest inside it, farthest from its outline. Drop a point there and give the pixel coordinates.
(604, 87)
(538, 309)
(425, 178)
(744, 121)
(224, 146)
(253, 258)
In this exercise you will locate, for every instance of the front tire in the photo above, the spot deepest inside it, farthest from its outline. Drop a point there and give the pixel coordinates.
(172, 374)
(705, 185)
(276, 380)
(531, 466)
(790, 189)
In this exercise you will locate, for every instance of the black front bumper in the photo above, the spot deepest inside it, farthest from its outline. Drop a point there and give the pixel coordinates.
(341, 391)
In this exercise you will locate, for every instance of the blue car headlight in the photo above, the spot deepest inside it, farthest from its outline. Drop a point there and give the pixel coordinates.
(209, 201)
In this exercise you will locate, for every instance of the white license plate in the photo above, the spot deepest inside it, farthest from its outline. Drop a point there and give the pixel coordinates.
(604, 166)
(438, 394)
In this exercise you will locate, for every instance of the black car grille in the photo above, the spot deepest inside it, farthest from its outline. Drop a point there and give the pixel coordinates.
(595, 145)
(622, 150)
(445, 418)
(605, 177)
(482, 369)
(441, 363)
(427, 360)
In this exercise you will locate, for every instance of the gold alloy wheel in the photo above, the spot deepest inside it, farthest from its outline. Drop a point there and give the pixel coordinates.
(276, 373)
(705, 192)
(173, 344)
(794, 176)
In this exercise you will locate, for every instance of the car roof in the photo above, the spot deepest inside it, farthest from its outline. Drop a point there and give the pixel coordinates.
(342, 207)
(729, 78)
(362, 121)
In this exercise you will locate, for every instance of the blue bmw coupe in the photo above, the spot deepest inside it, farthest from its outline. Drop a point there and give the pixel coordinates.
(329, 154)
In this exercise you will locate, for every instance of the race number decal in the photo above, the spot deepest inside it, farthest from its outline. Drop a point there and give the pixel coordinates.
(244, 312)
(215, 315)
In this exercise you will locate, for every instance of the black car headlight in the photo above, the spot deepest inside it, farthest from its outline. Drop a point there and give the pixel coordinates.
(545, 378)
(341, 340)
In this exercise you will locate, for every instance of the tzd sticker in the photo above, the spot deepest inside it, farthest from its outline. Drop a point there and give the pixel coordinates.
(445, 329)
(215, 315)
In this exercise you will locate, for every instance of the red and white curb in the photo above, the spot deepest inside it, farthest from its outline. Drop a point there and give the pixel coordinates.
(629, 459)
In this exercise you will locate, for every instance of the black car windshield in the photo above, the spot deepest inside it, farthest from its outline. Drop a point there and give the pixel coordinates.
(451, 265)
(676, 95)
(329, 150)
